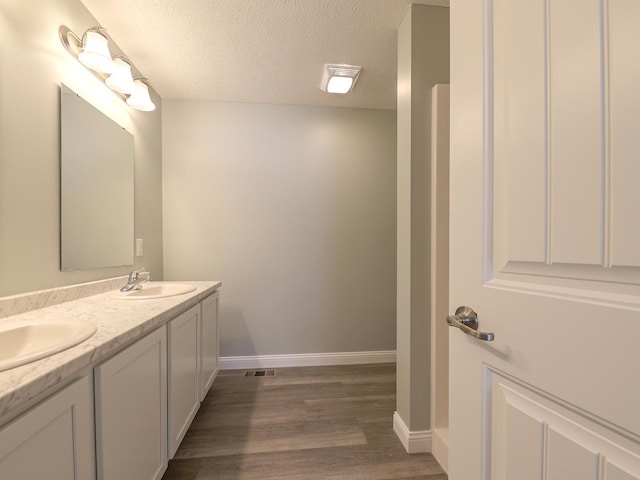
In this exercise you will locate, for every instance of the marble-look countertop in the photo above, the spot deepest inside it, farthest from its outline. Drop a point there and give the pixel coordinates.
(119, 323)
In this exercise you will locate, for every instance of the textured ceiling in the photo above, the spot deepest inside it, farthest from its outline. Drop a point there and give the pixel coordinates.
(259, 51)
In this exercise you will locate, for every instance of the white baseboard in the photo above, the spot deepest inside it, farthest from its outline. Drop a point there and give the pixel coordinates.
(413, 442)
(306, 360)
(441, 447)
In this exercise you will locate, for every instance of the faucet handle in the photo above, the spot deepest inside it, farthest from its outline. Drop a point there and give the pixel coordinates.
(136, 273)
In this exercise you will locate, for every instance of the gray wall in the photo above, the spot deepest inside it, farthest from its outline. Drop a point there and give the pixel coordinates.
(294, 209)
(33, 63)
(423, 61)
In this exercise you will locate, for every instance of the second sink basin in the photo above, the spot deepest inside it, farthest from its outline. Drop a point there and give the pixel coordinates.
(155, 290)
(25, 341)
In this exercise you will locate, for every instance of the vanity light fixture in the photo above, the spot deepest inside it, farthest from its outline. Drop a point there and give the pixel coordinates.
(339, 78)
(92, 50)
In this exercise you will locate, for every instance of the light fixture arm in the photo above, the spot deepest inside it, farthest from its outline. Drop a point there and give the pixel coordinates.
(97, 29)
(65, 33)
(122, 57)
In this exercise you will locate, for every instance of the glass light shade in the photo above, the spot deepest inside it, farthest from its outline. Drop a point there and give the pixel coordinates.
(339, 84)
(95, 53)
(140, 99)
(121, 79)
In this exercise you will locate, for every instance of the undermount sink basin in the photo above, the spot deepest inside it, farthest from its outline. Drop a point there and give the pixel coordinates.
(26, 341)
(155, 290)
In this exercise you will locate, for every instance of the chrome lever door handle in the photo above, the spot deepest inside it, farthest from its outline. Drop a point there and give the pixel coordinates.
(467, 321)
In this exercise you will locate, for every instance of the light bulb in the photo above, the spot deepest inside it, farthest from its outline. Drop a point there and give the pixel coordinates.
(140, 99)
(121, 79)
(339, 84)
(95, 52)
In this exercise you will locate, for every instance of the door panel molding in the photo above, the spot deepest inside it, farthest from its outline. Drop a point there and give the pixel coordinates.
(548, 221)
(534, 428)
(571, 292)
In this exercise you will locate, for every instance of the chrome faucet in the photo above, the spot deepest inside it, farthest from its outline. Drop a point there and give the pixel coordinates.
(136, 279)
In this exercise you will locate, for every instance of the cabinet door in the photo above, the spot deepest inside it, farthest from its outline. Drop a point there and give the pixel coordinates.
(209, 343)
(131, 411)
(53, 440)
(184, 364)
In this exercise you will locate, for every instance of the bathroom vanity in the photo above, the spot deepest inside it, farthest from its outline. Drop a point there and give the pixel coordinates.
(117, 405)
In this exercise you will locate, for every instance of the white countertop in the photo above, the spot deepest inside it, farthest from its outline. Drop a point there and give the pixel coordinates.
(119, 323)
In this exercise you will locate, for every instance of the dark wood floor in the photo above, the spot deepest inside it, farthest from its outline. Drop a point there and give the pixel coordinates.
(311, 423)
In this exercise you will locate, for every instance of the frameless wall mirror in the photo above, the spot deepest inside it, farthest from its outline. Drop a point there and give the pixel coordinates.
(96, 191)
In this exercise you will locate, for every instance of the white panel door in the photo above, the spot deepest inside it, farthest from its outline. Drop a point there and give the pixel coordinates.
(545, 135)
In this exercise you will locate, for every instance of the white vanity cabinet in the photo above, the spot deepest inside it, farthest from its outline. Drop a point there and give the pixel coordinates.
(131, 411)
(183, 333)
(128, 415)
(53, 440)
(209, 343)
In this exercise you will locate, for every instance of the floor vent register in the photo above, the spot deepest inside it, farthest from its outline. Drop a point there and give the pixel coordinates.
(260, 373)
